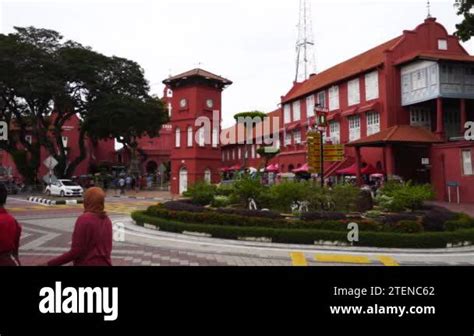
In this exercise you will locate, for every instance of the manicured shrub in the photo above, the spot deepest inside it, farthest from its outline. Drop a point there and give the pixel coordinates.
(374, 214)
(344, 197)
(364, 201)
(251, 213)
(435, 219)
(397, 197)
(408, 226)
(221, 201)
(312, 216)
(461, 222)
(225, 190)
(183, 206)
(391, 219)
(309, 236)
(201, 193)
(285, 194)
(247, 188)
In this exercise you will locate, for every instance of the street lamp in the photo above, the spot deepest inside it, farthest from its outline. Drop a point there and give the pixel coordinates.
(321, 127)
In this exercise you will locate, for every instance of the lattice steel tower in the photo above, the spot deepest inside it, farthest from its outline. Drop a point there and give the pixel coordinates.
(305, 48)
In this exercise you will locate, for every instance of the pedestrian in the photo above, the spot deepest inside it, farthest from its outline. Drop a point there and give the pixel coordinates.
(92, 237)
(122, 185)
(10, 232)
(149, 181)
(133, 183)
(128, 182)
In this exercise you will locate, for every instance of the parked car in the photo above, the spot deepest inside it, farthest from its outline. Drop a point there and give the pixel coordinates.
(64, 188)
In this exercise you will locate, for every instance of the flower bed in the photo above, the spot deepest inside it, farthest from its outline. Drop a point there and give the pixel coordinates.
(402, 231)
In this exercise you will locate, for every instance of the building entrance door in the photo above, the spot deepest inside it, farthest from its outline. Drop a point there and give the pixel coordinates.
(183, 180)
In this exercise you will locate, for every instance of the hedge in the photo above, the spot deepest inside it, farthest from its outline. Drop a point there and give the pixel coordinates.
(223, 218)
(309, 236)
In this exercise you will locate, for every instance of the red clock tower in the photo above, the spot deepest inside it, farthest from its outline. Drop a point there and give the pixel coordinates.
(196, 114)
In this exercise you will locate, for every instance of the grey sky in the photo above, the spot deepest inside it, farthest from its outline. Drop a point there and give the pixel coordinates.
(251, 42)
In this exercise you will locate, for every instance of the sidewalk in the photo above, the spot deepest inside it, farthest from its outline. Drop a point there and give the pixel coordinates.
(144, 194)
(466, 208)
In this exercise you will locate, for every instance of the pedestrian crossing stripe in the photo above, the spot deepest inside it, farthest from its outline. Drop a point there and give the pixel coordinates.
(298, 259)
(388, 261)
(343, 259)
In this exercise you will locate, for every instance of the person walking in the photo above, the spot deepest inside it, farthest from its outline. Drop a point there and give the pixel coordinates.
(10, 232)
(122, 185)
(92, 237)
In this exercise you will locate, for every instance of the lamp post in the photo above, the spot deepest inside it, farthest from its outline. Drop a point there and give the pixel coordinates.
(321, 126)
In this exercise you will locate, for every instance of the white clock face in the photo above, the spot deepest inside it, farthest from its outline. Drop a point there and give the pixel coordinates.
(210, 103)
(183, 103)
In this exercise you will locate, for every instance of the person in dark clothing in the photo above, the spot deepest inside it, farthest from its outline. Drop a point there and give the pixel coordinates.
(92, 236)
(10, 232)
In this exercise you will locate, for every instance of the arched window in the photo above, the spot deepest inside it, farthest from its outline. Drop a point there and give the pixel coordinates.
(178, 137)
(190, 136)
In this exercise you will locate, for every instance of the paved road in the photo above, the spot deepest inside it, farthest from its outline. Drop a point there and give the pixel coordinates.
(47, 233)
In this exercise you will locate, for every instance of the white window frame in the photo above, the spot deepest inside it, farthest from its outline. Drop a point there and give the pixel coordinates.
(310, 103)
(335, 132)
(177, 137)
(297, 137)
(373, 122)
(190, 136)
(297, 110)
(354, 128)
(466, 157)
(239, 153)
(353, 92)
(322, 102)
(287, 113)
(420, 117)
(442, 44)
(334, 98)
(288, 139)
(254, 150)
(372, 85)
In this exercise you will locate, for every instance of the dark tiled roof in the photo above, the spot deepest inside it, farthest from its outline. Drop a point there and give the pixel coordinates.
(198, 73)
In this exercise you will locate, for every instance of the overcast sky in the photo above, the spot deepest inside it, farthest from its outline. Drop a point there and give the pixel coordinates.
(251, 42)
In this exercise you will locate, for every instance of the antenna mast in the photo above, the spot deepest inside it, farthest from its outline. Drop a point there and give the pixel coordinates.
(305, 48)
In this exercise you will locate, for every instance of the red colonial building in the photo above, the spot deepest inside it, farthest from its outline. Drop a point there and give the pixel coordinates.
(400, 108)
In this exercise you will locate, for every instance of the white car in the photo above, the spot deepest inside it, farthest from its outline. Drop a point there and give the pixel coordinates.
(64, 188)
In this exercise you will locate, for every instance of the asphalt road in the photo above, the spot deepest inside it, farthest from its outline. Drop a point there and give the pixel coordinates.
(47, 233)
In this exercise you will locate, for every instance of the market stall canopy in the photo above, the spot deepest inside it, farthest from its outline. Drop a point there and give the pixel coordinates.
(303, 169)
(273, 168)
(397, 134)
(352, 170)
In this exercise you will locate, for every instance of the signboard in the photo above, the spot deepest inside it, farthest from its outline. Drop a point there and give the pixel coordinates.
(50, 162)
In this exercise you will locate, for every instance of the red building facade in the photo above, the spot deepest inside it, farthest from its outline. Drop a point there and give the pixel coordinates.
(196, 106)
(102, 152)
(400, 107)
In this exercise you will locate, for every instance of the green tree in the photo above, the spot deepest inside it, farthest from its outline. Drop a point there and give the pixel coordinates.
(465, 29)
(44, 82)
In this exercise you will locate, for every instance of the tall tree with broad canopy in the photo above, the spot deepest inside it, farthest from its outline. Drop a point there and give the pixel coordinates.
(465, 29)
(44, 82)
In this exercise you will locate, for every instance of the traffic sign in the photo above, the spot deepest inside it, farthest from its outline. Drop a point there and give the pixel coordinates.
(50, 162)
